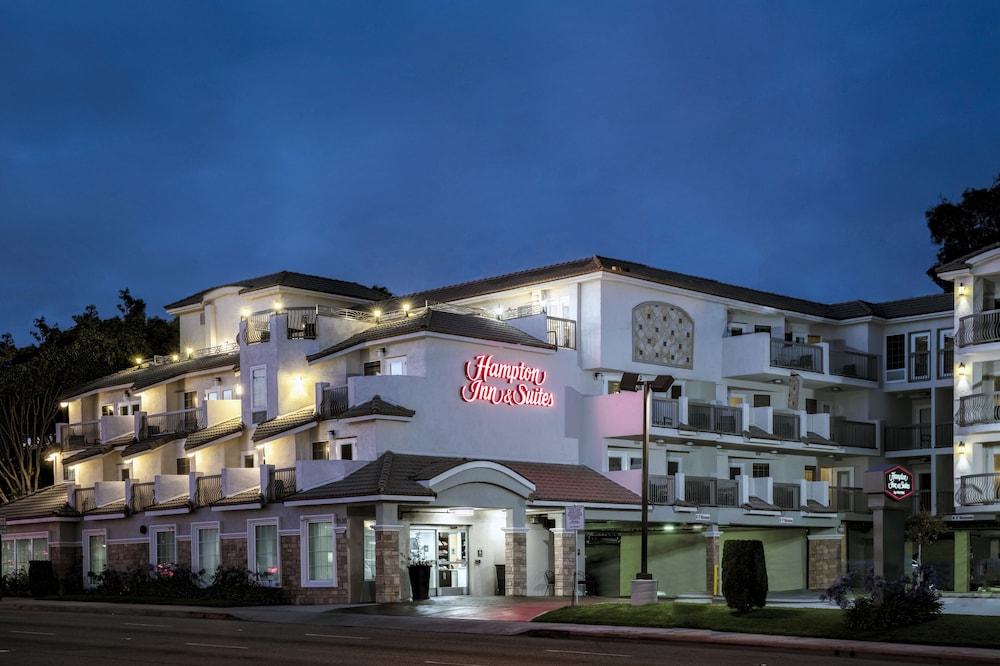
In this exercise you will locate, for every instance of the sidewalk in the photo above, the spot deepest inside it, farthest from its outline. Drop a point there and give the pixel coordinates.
(513, 615)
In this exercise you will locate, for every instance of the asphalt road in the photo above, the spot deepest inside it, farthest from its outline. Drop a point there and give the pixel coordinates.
(46, 638)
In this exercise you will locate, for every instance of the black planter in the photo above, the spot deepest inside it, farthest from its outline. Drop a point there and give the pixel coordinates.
(420, 580)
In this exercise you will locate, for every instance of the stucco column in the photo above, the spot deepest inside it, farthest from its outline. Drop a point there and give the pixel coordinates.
(713, 558)
(826, 560)
(564, 543)
(516, 560)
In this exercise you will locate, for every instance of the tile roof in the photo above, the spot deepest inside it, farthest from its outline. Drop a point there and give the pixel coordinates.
(152, 374)
(279, 424)
(46, 503)
(598, 264)
(438, 321)
(292, 280)
(149, 444)
(376, 407)
(114, 508)
(87, 453)
(401, 474)
(251, 496)
(183, 502)
(213, 432)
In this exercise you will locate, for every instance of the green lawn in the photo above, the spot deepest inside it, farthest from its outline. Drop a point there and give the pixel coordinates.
(958, 630)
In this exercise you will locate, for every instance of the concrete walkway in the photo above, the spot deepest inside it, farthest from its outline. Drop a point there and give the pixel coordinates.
(513, 615)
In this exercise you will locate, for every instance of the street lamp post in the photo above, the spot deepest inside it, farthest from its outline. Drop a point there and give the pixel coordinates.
(632, 382)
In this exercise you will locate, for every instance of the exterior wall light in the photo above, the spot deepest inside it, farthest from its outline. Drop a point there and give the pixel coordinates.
(961, 369)
(961, 289)
(138, 360)
(961, 448)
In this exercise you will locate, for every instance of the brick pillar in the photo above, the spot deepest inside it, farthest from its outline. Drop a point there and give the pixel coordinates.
(826, 562)
(387, 569)
(713, 560)
(516, 560)
(564, 542)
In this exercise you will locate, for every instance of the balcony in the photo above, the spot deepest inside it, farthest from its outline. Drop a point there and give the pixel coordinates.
(716, 418)
(848, 500)
(979, 490)
(182, 422)
(858, 434)
(796, 356)
(704, 491)
(561, 332)
(907, 438)
(978, 329)
(280, 485)
(759, 357)
(334, 402)
(978, 409)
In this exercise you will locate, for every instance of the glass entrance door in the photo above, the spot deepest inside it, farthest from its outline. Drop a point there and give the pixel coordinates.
(452, 561)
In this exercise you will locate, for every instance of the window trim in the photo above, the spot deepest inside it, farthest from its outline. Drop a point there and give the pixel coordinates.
(196, 565)
(252, 525)
(159, 529)
(88, 568)
(306, 521)
(25, 536)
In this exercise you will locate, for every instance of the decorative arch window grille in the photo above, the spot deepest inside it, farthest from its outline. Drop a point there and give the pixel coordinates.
(662, 334)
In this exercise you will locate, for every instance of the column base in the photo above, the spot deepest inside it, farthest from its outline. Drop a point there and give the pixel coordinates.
(644, 591)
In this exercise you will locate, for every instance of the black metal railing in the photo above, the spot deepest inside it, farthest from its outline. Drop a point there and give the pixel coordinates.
(182, 422)
(258, 328)
(84, 499)
(787, 495)
(848, 500)
(978, 489)
(786, 426)
(301, 323)
(704, 491)
(209, 490)
(943, 433)
(920, 366)
(946, 362)
(561, 332)
(796, 356)
(143, 496)
(907, 438)
(979, 328)
(854, 433)
(856, 365)
(334, 402)
(664, 413)
(281, 484)
(78, 435)
(661, 490)
(978, 408)
(716, 418)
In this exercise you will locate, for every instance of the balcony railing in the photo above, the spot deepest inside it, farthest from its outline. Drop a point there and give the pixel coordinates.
(78, 435)
(281, 484)
(979, 489)
(181, 422)
(258, 327)
(716, 418)
(946, 362)
(978, 409)
(704, 491)
(854, 433)
(944, 432)
(209, 490)
(786, 426)
(661, 490)
(786, 495)
(84, 499)
(664, 413)
(920, 366)
(907, 438)
(979, 328)
(334, 402)
(301, 323)
(855, 365)
(796, 356)
(143, 495)
(561, 332)
(848, 500)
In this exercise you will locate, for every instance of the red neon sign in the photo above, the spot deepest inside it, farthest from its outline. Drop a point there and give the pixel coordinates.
(526, 381)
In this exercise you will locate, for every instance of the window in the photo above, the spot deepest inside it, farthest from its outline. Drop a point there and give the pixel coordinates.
(258, 393)
(920, 356)
(623, 460)
(95, 555)
(761, 328)
(107, 410)
(205, 550)
(318, 552)
(162, 545)
(946, 353)
(395, 365)
(184, 465)
(761, 399)
(128, 408)
(373, 368)
(761, 470)
(18, 551)
(736, 328)
(262, 551)
(249, 459)
(345, 449)
(895, 358)
(227, 394)
(69, 473)
(321, 450)
(811, 473)
(124, 472)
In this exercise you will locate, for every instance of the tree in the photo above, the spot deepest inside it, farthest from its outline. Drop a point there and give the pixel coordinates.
(964, 227)
(33, 377)
(923, 528)
(744, 574)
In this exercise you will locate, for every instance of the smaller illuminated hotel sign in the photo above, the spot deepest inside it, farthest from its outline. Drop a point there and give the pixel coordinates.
(899, 483)
(523, 385)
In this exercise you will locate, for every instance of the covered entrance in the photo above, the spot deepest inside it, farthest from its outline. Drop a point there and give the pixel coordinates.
(447, 551)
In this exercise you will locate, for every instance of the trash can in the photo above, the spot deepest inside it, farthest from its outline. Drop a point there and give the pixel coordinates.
(501, 580)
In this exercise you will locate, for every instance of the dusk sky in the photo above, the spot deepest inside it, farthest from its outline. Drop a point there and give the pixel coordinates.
(792, 147)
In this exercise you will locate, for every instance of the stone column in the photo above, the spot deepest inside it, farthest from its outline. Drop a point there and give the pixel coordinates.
(516, 560)
(713, 560)
(387, 563)
(826, 560)
(564, 542)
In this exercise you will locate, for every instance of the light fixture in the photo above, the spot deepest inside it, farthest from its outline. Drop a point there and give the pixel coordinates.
(376, 314)
(461, 511)
(406, 309)
(244, 313)
(189, 351)
(774, 452)
(498, 310)
(777, 381)
(961, 289)
(961, 448)
(961, 369)
(176, 357)
(138, 360)
(64, 405)
(277, 306)
(836, 388)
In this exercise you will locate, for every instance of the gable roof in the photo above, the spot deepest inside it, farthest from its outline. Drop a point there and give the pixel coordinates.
(213, 432)
(48, 502)
(292, 280)
(284, 423)
(599, 264)
(398, 474)
(376, 407)
(434, 320)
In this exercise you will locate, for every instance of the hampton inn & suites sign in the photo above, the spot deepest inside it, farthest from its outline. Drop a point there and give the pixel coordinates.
(505, 383)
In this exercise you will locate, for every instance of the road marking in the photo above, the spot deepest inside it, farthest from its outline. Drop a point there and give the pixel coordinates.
(599, 654)
(33, 633)
(139, 624)
(450, 663)
(353, 638)
(225, 647)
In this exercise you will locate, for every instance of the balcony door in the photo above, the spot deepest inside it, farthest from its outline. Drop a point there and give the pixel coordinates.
(920, 356)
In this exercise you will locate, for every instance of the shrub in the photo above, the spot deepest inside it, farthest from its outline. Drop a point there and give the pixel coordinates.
(241, 586)
(42, 578)
(15, 584)
(744, 575)
(886, 604)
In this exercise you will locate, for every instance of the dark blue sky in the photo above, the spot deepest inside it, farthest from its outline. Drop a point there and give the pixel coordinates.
(787, 146)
